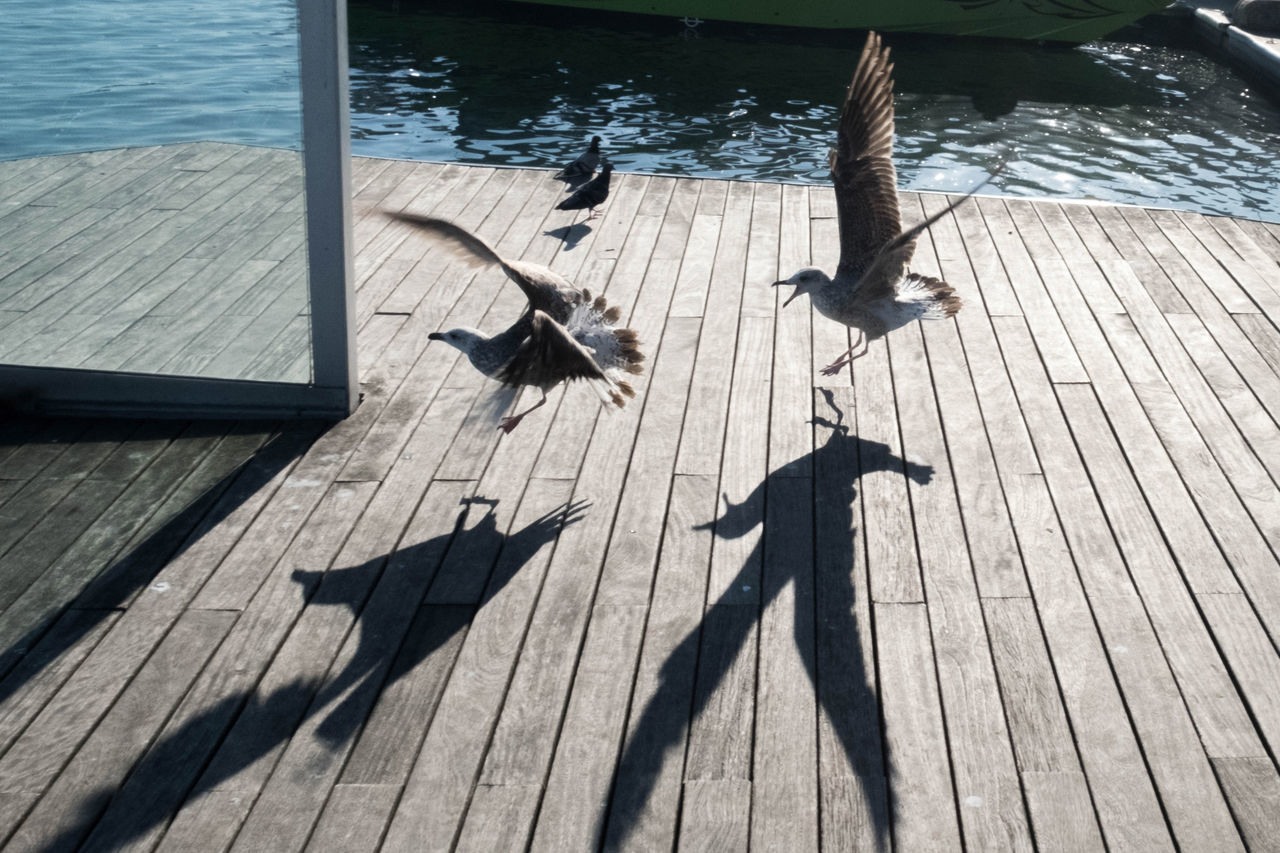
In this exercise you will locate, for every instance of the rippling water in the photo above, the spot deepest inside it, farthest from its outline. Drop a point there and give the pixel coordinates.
(77, 75)
(1137, 120)
(1122, 121)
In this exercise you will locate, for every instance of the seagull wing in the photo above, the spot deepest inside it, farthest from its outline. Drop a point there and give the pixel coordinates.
(541, 286)
(862, 166)
(549, 356)
(885, 268)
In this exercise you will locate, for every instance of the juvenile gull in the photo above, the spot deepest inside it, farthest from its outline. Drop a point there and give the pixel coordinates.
(872, 290)
(591, 194)
(563, 335)
(586, 163)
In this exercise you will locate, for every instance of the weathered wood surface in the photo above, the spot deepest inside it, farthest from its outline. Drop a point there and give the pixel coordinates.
(179, 259)
(1015, 585)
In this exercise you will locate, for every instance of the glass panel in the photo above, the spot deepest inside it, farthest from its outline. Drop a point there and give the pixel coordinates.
(151, 189)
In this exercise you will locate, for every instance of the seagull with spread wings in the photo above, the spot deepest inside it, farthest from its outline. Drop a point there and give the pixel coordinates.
(872, 290)
(563, 335)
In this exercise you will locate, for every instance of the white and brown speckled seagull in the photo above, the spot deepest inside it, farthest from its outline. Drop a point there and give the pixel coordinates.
(563, 335)
(872, 290)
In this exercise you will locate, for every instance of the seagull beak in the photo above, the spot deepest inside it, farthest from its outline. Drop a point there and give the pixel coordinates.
(435, 336)
(793, 295)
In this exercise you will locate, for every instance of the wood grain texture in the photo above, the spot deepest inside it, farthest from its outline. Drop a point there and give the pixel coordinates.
(1010, 582)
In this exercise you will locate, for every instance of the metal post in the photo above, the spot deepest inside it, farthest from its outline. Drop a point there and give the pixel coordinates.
(326, 153)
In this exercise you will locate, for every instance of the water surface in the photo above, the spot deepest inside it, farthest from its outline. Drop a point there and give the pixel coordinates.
(1149, 122)
(1140, 119)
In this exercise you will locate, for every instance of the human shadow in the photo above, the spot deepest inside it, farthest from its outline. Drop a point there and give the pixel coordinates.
(215, 743)
(827, 633)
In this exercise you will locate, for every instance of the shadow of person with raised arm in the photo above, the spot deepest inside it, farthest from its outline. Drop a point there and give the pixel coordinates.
(395, 634)
(833, 654)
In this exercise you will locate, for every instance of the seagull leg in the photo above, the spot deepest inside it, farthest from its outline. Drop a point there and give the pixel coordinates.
(594, 214)
(847, 356)
(508, 424)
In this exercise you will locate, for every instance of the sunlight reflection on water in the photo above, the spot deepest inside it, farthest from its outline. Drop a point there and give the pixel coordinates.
(1113, 121)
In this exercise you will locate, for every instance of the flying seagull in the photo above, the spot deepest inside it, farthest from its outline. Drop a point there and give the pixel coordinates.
(872, 290)
(591, 194)
(564, 333)
(586, 163)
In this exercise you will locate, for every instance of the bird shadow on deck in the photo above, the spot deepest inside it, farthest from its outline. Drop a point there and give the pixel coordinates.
(230, 735)
(826, 634)
(571, 234)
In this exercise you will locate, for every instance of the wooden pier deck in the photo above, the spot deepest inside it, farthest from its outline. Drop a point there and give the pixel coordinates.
(1014, 586)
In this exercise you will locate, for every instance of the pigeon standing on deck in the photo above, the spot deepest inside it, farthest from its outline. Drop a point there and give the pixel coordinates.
(872, 290)
(564, 334)
(591, 194)
(586, 163)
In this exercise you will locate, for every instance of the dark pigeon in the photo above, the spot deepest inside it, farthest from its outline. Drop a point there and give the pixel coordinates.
(586, 163)
(591, 195)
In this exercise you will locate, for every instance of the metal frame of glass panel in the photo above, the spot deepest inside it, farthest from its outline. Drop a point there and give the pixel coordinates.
(334, 389)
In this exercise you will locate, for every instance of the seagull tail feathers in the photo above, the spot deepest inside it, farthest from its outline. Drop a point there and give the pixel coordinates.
(933, 298)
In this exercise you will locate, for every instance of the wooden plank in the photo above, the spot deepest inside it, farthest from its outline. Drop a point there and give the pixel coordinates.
(46, 666)
(1255, 280)
(1193, 803)
(573, 811)
(1038, 726)
(149, 475)
(499, 818)
(925, 808)
(1061, 814)
(984, 257)
(67, 811)
(1161, 481)
(735, 561)
(891, 556)
(1264, 336)
(1126, 803)
(1254, 662)
(1051, 337)
(1226, 328)
(1217, 274)
(1041, 223)
(784, 811)
(353, 819)
(645, 808)
(720, 734)
(1253, 789)
(715, 815)
(105, 672)
(983, 771)
(1127, 244)
(1237, 459)
(1240, 399)
(629, 564)
(291, 799)
(702, 437)
(1222, 507)
(791, 400)
(1204, 288)
(1206, 686)
(445, 768)
(852, 768)
(462, 577)
(990, 536)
